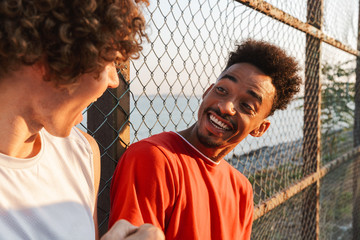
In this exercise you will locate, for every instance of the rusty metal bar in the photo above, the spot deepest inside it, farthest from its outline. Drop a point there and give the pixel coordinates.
(270, 10)
(112, 135)
(123, 113)
(286, 194)
(356, 198)
(312, 123)
(356, 168)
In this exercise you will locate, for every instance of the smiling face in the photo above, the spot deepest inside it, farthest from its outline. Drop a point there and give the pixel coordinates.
(61, 108)
(235, 106)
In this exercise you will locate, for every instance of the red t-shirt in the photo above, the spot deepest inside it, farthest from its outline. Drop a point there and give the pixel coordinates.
(165, 181)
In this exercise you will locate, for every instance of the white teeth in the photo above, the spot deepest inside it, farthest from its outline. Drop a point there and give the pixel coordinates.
(218, 124)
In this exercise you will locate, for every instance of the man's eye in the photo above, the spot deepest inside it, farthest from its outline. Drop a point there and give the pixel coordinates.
(248, 108)
(221, 90)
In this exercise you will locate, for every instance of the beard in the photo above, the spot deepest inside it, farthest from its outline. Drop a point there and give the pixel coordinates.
(207, 141)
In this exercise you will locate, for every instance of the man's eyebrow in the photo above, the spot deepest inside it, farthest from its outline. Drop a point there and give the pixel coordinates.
(229, 77)
(251, 92)
(255, 95)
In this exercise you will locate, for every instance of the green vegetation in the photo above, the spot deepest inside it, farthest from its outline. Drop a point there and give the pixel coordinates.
(337, 119)
(336, 203)
(337, 109)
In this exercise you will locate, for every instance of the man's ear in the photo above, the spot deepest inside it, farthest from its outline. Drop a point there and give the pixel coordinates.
(42, 68)
(258, 132)
(207, 90)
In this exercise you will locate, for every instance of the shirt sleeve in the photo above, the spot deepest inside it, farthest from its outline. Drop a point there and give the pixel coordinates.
(142, 189)
(249, 212)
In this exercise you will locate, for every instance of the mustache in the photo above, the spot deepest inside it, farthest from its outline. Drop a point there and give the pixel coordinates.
(227, 117)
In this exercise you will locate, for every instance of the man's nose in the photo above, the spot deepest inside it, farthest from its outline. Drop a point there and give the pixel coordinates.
(227, 107)
(113, 78)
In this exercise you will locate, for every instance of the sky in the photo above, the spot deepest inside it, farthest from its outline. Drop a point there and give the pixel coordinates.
(190, 40)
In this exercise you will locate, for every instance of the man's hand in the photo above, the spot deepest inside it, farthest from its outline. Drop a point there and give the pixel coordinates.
(123, 230)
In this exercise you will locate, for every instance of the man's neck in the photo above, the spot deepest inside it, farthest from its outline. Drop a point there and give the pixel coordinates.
(17, 140)
(18, 130)
(214, 153)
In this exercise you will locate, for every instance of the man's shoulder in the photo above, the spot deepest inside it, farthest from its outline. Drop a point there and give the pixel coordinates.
(238, 176)
(156, 144)
(153, 153)
(167, 140)
(76, 139)
(161, 138)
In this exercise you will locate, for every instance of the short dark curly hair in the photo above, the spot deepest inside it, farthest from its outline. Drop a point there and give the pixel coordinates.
(72, 36)
(275, 63)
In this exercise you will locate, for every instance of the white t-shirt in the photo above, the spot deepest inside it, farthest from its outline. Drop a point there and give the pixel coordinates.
(49, 196)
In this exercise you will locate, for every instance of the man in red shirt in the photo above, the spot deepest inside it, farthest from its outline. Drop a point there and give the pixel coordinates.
(180, 181)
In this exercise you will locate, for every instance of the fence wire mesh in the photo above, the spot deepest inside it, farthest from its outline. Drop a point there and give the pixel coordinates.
(337, 105)
(336, 203)
(284, 222)
(341, 21)
(188, 47)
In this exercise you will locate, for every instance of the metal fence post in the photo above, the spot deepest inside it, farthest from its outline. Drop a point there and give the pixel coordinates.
(356, 168)
(312, 111)
(108, 123)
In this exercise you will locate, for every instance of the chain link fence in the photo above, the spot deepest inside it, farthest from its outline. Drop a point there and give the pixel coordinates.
(305, 168)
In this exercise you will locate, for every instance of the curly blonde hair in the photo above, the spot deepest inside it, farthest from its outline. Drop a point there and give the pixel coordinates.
(72, 36)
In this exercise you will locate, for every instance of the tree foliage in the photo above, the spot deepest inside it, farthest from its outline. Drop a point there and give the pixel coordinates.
(337, 107)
